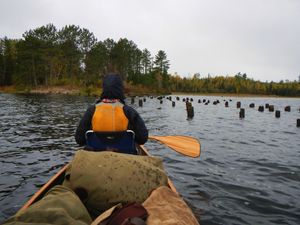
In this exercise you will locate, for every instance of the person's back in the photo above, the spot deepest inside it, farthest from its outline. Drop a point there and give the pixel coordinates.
(110, 113)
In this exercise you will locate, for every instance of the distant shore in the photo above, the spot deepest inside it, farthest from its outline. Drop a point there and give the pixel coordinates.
(67, 89)
(131, 91)
(242, 95)
(74, 90)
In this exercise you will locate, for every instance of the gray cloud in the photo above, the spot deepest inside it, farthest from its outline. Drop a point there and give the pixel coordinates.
(258, 37)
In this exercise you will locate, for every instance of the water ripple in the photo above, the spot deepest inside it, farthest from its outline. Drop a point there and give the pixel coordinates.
(248, 172)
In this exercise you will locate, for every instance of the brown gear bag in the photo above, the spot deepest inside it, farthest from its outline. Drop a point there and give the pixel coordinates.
(129, 214)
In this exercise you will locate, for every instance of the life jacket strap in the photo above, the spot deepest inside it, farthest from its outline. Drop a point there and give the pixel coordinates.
(106, 100)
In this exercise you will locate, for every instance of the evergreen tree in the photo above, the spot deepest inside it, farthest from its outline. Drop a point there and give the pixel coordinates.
(96, 62)
(161, 67)
(161, 62)
(146, 61)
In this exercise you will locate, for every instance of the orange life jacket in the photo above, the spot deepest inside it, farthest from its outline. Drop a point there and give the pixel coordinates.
(109, 117)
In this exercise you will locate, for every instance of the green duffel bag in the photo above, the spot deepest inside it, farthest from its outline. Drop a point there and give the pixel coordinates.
(104, 179)
(60, 206)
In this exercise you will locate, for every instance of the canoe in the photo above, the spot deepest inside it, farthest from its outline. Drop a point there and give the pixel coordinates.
(58, 179)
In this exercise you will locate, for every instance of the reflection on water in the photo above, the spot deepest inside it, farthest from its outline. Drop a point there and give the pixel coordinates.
(248, 172)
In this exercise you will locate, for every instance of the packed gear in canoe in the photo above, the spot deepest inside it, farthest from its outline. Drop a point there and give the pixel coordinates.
(162, 200)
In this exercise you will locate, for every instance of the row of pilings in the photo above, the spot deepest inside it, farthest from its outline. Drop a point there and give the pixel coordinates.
(190, 108)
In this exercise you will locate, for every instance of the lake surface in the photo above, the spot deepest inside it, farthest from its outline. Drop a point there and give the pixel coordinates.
(248, 172)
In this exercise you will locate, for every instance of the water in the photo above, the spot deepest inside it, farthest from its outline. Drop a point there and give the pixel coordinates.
(248, 172)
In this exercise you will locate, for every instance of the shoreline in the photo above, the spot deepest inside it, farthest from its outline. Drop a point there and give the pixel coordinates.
(72, 90)
(243, 95)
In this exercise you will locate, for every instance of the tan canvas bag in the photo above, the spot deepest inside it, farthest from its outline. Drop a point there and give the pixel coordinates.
(168, 208)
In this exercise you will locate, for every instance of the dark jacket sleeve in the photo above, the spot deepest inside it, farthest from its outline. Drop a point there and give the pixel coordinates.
(85, 124)
(136, 124)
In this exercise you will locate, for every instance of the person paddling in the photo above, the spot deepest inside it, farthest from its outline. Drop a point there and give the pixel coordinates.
(110, 113)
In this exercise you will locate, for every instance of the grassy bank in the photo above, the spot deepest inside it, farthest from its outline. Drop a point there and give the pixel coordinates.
(130, 90)
(227, 94)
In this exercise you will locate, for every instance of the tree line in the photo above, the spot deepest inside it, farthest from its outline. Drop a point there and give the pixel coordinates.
(47, 56)
(237, 84)
(73, 55)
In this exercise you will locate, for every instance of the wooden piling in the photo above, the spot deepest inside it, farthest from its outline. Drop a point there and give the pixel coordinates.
(267, 105)
(144, 99)
(277, 114)
(226, 104)
(216, 102)
(238, 105)
(298, 122)
(199, 100)
(173, 104)
(140, 102)
(189, 109)
(252, 105)
(177, 98)
(161, 101)
(271, 108)
(242, 113)
(261, 108)
(132, 100)
(287, 108)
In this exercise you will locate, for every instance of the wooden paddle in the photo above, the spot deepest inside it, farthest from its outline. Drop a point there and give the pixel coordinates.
(185, 145)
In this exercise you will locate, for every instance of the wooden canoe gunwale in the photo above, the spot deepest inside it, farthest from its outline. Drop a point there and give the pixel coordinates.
(59, 177)
(46, 187)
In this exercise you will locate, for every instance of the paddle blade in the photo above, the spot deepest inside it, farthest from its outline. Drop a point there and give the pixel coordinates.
(185, 145)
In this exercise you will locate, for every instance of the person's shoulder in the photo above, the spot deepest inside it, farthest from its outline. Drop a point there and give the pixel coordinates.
(129, 109)
(91, 108)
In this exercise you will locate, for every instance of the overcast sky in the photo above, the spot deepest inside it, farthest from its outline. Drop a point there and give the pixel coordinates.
(219, 37)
